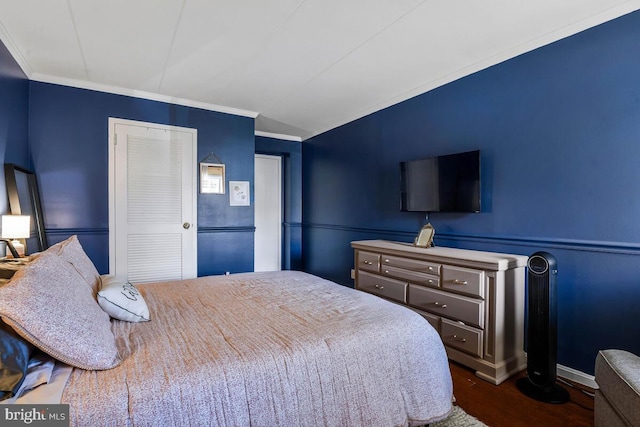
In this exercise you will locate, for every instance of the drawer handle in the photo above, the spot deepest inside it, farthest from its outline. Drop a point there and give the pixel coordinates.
(437, 304)
(430, 282)
(387, 261)
(379, 287)
(386, 272)
(367, 262)
(430, 268)
(460, 282)
(457, 338)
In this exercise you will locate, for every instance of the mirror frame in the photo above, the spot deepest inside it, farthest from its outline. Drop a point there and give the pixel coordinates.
(424, 239)
(26, 201)
(204, 187)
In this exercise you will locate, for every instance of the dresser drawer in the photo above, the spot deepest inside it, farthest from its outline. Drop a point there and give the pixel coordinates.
(431, 318)
(461, 337)
(382, 286)
(368, 261)
(411, 264)
(463, 280)
(465, 309)
(411, 276)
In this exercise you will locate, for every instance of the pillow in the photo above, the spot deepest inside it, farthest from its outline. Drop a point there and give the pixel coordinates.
(71, 250)
(49, 304)
(14, 361)
(121, 300)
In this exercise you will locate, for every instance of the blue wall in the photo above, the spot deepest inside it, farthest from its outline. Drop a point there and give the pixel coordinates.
(291, 154)
(61, 133)
(68, 138)
(14, 109)
(559, 131)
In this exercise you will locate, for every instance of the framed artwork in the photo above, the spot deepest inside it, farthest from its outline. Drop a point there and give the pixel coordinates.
(424, 239)
(239, 193)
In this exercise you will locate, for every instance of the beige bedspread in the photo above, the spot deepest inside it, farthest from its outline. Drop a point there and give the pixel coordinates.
(267, 349)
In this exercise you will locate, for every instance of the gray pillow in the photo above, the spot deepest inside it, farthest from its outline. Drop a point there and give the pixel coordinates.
(50, 305)
(72, 251)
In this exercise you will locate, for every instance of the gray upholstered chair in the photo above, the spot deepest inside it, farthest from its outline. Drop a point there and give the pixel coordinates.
(617, 401)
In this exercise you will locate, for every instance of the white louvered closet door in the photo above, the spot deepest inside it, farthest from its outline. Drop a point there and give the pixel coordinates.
(152, 221)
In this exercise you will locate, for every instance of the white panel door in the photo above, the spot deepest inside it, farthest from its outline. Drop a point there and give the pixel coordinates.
(268, 213)
(152, 201)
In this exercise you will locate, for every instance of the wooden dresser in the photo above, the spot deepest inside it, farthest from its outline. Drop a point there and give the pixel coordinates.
(475, 300)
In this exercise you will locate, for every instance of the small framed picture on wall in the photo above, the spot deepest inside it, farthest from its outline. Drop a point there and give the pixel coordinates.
(239, 193)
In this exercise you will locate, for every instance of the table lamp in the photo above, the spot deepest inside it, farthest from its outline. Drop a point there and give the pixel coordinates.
(15, 227)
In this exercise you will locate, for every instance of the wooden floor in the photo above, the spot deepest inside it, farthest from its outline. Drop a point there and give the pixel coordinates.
(505, 405)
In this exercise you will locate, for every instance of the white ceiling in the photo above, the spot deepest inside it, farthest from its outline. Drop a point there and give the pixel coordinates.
(301, 67)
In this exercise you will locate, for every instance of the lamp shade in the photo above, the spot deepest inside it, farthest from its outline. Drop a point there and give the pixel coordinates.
(16, 226)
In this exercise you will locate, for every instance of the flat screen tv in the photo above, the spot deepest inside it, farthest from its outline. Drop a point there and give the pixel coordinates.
(449, 183)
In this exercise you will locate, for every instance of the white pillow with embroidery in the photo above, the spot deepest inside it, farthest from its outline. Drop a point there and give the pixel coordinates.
(121, 300)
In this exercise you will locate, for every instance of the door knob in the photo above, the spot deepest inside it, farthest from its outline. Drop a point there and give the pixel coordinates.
(186, 225)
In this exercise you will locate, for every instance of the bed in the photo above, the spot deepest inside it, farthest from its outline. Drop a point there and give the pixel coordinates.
(252, 349)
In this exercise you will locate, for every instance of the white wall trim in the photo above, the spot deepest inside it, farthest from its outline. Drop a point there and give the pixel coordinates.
(278, 136)
(14, 51)
(576, 376)
(81, 84)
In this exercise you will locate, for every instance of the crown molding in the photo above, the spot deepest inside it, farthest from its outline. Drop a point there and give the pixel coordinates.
(278, 136)
(81, 84)
(8, 42)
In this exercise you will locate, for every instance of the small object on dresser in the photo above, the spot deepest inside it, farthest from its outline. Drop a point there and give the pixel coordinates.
(8, 267)
(424, 239)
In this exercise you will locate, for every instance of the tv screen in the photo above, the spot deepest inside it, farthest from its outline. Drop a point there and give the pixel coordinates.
(448, 183)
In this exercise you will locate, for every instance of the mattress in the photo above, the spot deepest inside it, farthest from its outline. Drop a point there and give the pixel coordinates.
(267, 349)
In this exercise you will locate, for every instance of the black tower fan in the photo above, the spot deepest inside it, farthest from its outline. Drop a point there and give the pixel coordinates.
(541, 333)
